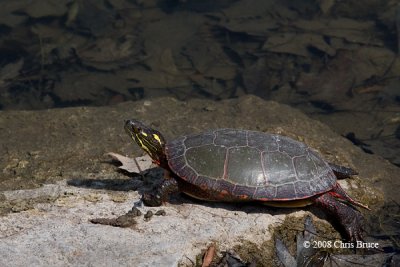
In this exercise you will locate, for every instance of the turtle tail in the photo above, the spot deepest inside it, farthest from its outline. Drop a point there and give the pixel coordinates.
(338, 192)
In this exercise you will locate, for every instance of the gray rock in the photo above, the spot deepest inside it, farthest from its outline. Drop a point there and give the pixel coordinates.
(60, 234)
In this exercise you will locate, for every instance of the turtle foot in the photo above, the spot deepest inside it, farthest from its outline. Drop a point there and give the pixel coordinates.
(349, 218)
(151, 200)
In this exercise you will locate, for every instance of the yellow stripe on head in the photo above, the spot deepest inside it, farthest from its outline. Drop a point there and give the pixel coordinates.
(143, 146)
(157, 138)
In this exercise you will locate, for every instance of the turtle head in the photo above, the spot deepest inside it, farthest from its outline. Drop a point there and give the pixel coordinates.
(150, 140)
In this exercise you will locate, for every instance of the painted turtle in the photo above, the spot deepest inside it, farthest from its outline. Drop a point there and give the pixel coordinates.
(240, 165)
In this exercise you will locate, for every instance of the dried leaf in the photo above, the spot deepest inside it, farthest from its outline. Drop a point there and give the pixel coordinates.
(133, 165)
(46, 8)
(155, 79)
(109, 53)
(251, 9)
(56, 40)
(10, 71)
(96, 85)
(255, 26)
(208, 256)
(210, 60)
(353, 31)
(259, 79)
(172, 32)
(297, 44)
(326, 5)
(91, 17)
(163, 61)
(9, 13)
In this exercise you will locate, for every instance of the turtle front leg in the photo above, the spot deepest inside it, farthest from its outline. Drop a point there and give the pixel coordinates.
(349, 218)
(167, 187)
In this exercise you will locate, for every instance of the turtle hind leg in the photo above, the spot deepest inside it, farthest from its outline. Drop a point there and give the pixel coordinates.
(342, 172)
(349, 218)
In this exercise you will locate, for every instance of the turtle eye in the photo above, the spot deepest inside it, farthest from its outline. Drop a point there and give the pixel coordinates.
(137, 129)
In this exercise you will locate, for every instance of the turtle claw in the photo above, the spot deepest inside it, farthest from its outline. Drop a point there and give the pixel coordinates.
(151, 200)
(355, 235)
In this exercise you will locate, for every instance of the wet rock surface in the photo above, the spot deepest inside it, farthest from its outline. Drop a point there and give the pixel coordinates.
(65, 150)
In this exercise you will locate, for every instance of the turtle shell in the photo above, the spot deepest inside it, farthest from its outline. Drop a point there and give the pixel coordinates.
(259, 166)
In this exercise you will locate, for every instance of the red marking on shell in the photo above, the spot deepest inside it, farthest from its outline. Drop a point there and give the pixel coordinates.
(226, 162)
(263, 168)
(224, 192)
